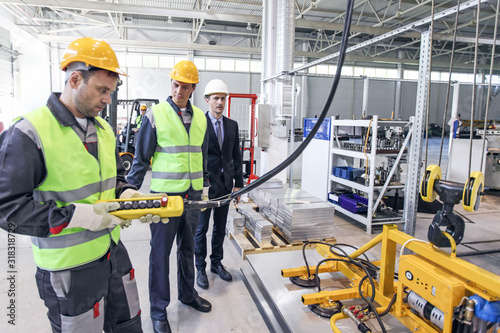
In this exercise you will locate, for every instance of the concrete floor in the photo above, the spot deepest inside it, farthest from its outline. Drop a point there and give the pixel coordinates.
(233, 308)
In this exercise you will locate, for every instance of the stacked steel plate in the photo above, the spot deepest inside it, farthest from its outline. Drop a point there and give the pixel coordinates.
(298, 215)
(256, 224)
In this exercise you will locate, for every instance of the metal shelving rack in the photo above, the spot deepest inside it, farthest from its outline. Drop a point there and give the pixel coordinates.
(340, 156)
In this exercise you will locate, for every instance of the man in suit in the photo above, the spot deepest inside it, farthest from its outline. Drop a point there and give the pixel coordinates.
(225, 175)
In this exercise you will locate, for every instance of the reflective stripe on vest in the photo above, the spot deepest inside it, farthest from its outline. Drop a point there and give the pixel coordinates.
(76, 194)
(73, 175)
(178, 160)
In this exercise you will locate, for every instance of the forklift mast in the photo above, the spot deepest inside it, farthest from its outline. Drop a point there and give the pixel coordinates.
(125, 139)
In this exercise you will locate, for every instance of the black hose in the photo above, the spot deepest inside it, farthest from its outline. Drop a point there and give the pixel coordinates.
(303, 145)
(368, 275)
(304, 253)
(388, 309)
(319, 264)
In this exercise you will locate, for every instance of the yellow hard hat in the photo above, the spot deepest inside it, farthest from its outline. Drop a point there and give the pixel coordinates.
(93, 52)
(185, 71)
(143, 107)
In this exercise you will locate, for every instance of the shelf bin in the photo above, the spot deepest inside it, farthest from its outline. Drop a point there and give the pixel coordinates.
(354, 203)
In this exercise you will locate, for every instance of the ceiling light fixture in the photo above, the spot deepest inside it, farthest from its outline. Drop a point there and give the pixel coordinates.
(170, 21)
(249, 26)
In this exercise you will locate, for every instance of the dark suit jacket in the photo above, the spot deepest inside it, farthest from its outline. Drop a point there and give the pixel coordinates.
(229, 159)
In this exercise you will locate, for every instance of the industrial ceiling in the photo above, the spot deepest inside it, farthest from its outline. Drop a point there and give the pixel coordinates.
(235, 26)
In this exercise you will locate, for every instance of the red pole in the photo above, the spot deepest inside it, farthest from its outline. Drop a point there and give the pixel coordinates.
(252, 127)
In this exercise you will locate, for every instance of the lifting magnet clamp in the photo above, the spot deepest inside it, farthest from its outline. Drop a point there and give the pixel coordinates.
(450, 193)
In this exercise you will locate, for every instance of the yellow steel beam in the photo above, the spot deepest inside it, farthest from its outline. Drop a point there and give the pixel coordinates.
(388, 264)
(325, 296)
(302, 270)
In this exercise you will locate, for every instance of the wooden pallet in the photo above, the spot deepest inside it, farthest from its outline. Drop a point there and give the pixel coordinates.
(246, 243)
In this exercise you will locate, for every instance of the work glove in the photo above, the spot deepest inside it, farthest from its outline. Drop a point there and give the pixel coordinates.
(149, 218)
(96, 217)
(204, 195)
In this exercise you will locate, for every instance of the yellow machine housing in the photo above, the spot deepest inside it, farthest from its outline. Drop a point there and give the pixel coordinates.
(438, 277)
(438, 286)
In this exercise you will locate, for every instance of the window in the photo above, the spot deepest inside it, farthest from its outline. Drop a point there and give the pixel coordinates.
(166, 61)
(322, 69)
(255, 66)
(495, 79)
(370, 72)
(359, 71)
(150, 61)
(134, 60)
(242, 66)
(180, 58)
(199, 63)
(411, 75)
(347, 70)
(455, 77)
(381, 72)
(392, 73)
(445, 76)
(465, 77)
(435, 76)
(227, 65)
(212, 64)
(122, 59)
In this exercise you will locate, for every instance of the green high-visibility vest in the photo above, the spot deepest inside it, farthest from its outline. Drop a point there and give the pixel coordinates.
(73, 176)
(178, 160)
(138, 121)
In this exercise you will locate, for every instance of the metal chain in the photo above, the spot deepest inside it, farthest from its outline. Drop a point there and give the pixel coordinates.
(473, 106)
(449, 82)
(489, 83)
(431, 32)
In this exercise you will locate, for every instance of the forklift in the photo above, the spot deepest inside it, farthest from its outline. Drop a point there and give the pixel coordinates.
(125, 138)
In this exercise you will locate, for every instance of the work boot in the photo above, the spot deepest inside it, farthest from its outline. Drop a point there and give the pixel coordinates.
(202, 279)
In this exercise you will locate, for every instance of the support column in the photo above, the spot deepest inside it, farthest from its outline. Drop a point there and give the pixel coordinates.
(283, 57)
(292, 131)
(397, 99)
(366, 87)
(268, 55)
(415, 153)
(303, 88)
(268, 51)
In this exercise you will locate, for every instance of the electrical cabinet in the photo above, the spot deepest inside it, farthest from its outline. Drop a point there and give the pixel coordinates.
(366, 161)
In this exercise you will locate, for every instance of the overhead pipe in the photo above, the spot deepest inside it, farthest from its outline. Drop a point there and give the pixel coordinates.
(285, 32)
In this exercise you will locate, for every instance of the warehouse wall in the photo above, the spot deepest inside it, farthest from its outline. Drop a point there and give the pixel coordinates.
(381, 98)
(155, 83)
(31, 71)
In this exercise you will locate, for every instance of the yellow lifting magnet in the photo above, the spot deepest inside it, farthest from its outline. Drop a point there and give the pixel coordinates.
(471, 193)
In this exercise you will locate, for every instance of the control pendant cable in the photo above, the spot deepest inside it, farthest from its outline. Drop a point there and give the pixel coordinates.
(303, 145)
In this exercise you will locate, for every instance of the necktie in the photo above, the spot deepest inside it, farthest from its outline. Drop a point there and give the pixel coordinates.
(219, 133)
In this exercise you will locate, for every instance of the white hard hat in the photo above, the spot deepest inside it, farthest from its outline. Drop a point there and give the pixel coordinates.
(216, 86)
